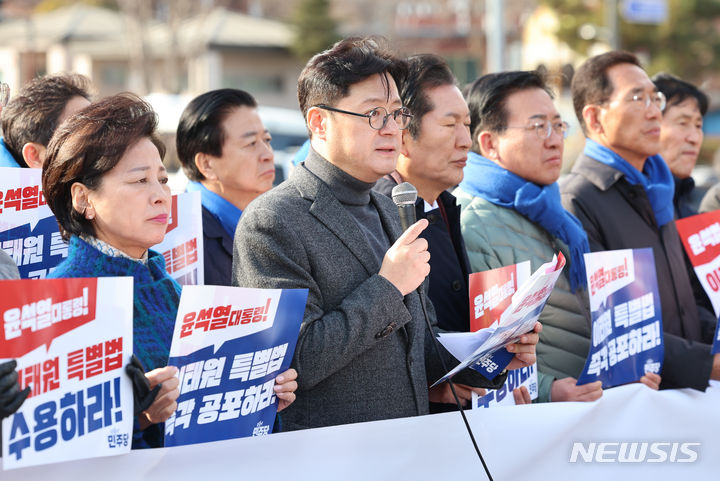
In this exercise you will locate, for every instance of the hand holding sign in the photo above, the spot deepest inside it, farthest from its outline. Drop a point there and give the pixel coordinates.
(143, 396)
(627, 332)
(566, 389)
(285, 387)
(11, 397)
(165, 403)
(651, 380)
(72, 342)
(522, 396)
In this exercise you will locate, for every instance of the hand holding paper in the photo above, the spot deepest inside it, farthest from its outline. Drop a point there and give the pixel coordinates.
(524, 349)
(516, 331)
(442, 393)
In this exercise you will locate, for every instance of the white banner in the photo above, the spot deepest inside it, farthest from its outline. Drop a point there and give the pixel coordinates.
(530, 442)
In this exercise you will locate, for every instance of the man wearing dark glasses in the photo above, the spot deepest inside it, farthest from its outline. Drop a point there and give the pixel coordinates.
(363, 353)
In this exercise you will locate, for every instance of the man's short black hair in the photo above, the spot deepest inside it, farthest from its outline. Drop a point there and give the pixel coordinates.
(425, 72)
(200, 128)
(32, 115)
(327, 77)
(677, 91)
(591, 84)
(487, 99)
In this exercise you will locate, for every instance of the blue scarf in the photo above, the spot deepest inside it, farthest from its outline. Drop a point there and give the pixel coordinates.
(6, 158)
(657, 179)
(542, 205)
(224, 211)
(156, 296)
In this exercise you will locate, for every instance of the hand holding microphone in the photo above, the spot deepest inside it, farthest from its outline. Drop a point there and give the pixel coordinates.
(406, 263)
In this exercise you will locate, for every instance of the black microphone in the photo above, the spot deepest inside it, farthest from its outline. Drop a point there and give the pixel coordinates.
(404, 195)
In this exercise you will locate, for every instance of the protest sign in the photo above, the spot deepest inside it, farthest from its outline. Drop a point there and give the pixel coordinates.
(71, 339)
(700, 234)
(183, 243)
(29, 231)
(484, 349)
(627, 332)
(229, 344)
(525, 376)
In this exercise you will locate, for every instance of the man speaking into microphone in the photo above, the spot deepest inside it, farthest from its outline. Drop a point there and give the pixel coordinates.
(364, 352)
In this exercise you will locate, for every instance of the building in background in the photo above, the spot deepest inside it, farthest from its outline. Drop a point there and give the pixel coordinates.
(172, 48)
(213, 49)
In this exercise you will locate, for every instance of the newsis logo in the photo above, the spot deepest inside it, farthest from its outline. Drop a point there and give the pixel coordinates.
(635, 452)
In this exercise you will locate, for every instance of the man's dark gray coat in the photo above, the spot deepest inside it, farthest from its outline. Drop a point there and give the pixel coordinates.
(363, 353)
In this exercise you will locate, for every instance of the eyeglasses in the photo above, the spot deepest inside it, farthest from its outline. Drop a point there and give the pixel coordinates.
(545, 129)
(656, 98)
(378, 117)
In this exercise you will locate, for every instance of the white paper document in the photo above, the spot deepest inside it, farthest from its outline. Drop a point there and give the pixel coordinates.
(483, 350)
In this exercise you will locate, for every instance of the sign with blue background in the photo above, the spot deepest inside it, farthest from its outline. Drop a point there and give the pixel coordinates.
(229, 344)
(28, 229)
(627, 332)
(29, 232)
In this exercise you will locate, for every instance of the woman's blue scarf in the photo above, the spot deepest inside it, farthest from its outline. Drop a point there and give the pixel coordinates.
(541, 205)
(655, 178)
